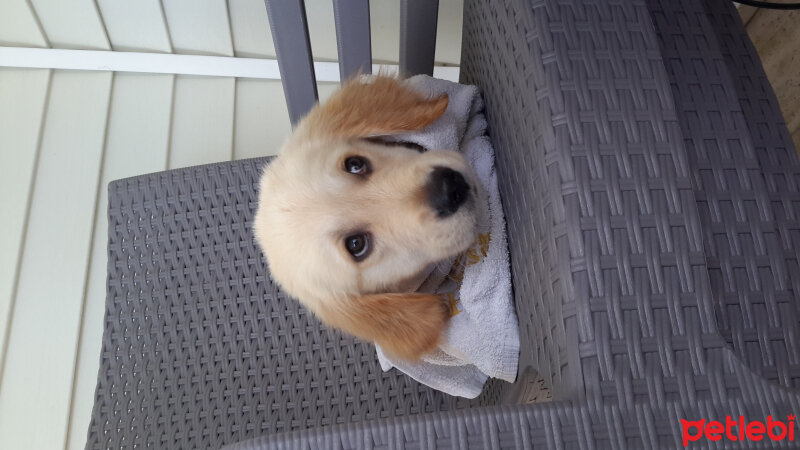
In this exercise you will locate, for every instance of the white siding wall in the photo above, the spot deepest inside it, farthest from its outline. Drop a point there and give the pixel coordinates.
(43, 335)
(20, 130)
(64, 135)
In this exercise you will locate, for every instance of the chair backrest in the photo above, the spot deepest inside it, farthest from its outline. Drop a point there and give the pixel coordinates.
(287, 19)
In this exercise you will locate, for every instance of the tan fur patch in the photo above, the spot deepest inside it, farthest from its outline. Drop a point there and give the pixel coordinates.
(406, 325)
(380, 106)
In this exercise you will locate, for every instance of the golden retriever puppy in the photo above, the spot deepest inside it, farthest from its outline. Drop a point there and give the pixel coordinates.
(351, 225)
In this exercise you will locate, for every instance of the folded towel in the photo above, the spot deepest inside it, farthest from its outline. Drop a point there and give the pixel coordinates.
(482, 338)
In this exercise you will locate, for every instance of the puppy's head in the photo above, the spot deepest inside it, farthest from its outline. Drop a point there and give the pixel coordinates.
(351, 225)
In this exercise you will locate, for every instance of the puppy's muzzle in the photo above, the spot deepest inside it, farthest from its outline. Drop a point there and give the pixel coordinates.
(447, 190)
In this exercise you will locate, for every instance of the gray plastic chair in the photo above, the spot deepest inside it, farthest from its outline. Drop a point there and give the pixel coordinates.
(653, 202)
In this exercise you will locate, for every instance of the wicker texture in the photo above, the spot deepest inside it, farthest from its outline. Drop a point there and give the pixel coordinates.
(651, 194)
(759, 309)
(544, 426)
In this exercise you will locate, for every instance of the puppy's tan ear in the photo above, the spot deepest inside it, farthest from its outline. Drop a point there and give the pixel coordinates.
(405, 325)
(382, 105)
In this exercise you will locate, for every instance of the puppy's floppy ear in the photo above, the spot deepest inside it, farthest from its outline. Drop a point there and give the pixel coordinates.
(406, 325)
(378, 106)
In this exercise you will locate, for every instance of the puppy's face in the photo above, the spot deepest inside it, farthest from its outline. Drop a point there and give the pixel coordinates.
(350, 224)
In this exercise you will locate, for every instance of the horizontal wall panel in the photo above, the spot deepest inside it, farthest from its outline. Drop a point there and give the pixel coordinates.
(448, 32)
(18, 25)
(135, 26)
(37, 379)
(322, 30)
(251, 35)
(202, 121)
(72, 24)
(23, 93)
(262, 120)
(326, 90)
(199, 26)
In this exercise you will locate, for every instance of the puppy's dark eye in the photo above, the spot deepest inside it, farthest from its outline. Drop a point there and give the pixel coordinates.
(356, 165)
(358, 245)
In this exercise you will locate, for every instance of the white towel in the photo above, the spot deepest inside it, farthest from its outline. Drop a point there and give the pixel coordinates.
(482, 338)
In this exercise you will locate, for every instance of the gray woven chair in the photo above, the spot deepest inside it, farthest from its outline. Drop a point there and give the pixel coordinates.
(653, 202)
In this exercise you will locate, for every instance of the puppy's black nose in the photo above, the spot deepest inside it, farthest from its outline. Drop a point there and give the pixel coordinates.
(447, 190)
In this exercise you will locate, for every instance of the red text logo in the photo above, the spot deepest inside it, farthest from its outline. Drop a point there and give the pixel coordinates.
(737, 430)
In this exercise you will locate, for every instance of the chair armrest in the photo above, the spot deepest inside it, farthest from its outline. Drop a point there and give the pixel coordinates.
(645, 174)
(555, 425)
